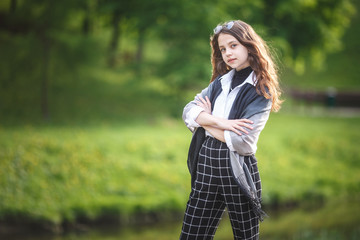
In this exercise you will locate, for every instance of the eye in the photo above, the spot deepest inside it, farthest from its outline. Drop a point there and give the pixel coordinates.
(233, 45)
(222, 50)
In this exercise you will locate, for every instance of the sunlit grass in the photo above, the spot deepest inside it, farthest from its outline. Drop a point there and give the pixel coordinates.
(60, 173)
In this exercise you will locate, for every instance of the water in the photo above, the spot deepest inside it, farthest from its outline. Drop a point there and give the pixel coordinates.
(317, 223)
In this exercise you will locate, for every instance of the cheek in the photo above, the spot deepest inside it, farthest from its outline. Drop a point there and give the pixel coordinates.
(244, 52)
(223, 56)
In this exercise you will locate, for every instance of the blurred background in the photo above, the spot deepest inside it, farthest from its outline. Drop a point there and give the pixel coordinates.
(92, 145)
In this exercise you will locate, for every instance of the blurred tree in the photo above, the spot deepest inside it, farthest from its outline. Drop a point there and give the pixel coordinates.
(144, 16)
(307, 29)
(13, 4)
(114, 42)
(38, 22)
(87, 22)
(301, 30)
(185, 30)
(140, 15)
(116, 10)
(39, 34)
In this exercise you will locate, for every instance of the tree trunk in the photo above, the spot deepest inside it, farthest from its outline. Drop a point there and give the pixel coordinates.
(45, 77)
(114, 42)
(87, 22)
(86, 25)
(13, 5)
(140, 47)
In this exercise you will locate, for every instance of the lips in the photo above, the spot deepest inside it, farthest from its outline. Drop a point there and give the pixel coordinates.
(231, 60)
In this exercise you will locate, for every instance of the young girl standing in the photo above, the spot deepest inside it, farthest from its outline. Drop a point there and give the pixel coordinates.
(226, 119)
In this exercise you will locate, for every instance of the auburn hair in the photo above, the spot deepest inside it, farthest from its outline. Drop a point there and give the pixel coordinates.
(259, 58)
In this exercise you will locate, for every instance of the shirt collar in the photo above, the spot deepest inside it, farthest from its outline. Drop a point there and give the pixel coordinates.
(226, 80)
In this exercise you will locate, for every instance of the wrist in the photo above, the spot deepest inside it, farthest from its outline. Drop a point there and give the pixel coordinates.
(206, 119)
(218, 122)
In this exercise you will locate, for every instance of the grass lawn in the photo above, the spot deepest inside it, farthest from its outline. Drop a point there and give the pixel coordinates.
(57, 173)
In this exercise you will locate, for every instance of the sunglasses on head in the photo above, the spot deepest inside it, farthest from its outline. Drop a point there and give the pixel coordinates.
(227, 25)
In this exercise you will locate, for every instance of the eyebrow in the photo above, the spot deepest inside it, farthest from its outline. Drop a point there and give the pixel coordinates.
(231, 42)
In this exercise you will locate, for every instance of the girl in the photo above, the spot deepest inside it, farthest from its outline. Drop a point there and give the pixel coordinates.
(226, 119)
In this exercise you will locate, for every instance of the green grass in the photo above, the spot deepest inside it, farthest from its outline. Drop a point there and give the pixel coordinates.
(62, 173)
(309, 158)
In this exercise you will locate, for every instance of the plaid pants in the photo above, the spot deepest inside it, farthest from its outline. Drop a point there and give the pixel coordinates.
(215, 189)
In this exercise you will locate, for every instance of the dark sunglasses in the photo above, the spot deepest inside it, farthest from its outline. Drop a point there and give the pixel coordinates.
(228, 25)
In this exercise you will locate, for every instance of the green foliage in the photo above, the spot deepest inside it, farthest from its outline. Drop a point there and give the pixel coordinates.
(338, 71)
(21, 79)
(311, 28)
(299, 29)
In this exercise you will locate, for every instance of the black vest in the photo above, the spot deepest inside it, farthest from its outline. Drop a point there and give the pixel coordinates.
(245, 96)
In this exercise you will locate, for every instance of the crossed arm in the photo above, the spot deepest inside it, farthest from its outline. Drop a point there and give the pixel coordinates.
(216, 125)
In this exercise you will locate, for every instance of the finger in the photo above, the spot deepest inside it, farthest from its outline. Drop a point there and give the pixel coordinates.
(246, 120)
(236, 131)
(202, 100)
(247, 126)
(242, 130)
(208, 100)
(244, 125)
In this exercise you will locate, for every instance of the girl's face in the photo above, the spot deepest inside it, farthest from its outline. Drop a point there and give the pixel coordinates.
(233, 53)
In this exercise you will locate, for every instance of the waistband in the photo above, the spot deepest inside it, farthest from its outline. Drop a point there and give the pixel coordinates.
(214, 143)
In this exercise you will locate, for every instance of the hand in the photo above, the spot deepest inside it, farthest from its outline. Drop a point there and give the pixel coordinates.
(205, 104)
(235, 125)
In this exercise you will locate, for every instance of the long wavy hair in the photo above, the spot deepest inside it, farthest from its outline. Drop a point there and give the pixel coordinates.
(259, 57)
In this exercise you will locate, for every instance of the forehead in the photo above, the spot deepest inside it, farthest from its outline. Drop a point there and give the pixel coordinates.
(225, 39)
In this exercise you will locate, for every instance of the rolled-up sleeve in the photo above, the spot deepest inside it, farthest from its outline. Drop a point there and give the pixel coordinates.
(191, 116)
(192, 110)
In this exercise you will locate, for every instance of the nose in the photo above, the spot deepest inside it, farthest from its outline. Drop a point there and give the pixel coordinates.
(228, 52)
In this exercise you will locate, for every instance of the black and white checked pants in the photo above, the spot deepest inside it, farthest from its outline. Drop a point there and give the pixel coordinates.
(214, 189)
